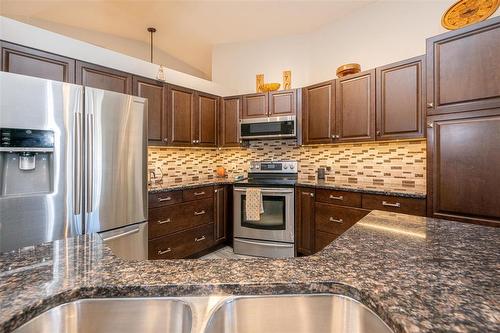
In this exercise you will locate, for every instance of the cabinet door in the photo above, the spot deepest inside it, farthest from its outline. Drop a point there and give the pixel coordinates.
(463, 70)
(304, 207)
(255, 105)
(26, 61)
(206, 119)
(318, 117)
(180, 115)
(154, 91)
(229, 122)
(463, 159)
(400, 100)
(355, 107)
(282, 103)
(100, 77)
(221, 213)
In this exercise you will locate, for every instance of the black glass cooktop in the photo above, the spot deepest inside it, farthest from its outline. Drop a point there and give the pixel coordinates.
(268, 181)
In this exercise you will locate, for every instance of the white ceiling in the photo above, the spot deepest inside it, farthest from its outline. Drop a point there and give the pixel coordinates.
(187, 30)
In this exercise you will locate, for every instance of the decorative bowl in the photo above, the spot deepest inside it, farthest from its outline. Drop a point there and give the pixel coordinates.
(270, 87)
(348, 69)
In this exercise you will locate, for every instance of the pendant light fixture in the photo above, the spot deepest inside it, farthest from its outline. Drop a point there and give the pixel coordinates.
(161, 71)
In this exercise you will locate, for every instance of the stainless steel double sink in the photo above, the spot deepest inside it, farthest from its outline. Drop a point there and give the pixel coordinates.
(308, 313)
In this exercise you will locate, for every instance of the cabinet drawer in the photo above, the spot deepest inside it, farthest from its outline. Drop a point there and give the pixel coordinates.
(164, 198)
(394, 204)
(182, 244)
(337, 219)
(342, 198)
(198, 193)
(322, 239)
(170, 219)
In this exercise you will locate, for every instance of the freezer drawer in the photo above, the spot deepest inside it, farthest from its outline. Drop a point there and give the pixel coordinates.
(130, 242)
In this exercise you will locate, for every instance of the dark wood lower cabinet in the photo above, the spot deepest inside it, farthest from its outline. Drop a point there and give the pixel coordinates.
(182, 244)
(188, 223)
(304, 226)
(463, 161)
(322, 215)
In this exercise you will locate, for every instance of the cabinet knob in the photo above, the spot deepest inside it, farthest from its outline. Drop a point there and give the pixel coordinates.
(430, 124)
(165, 140)
(430, 105)
(378, 133)
(311, 194)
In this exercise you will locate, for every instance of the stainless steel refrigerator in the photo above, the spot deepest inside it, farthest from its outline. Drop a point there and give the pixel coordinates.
(73, 160)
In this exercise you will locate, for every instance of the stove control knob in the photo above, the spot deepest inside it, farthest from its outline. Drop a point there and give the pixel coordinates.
(285, 167)
(292, 166)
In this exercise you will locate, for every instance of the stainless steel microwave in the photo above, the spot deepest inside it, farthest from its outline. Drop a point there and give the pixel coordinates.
(268, 128)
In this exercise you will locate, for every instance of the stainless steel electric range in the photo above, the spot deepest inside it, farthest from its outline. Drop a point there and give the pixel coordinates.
(273, 235)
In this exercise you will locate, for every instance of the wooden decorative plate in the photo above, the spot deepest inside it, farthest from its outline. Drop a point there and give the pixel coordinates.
(465, 12)
(348, 69)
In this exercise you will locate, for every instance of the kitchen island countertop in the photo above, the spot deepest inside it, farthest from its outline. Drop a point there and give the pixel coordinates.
(418, 274)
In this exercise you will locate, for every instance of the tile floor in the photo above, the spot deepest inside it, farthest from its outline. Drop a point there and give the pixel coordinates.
(225, 253)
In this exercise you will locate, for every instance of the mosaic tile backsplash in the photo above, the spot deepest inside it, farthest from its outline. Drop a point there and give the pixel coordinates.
(397, 163)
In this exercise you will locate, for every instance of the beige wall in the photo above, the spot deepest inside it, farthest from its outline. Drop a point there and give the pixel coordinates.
(377, 34)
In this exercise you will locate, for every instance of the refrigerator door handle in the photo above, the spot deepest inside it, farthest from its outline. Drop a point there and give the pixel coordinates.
(77, 172)
(123, 234)
(90, 162)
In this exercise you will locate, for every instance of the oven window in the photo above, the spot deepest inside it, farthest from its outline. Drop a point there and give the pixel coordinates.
(273, 218)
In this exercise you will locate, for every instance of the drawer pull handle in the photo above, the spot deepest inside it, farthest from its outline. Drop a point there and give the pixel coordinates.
(309, 194)
(163, 221)
(199, 193)
(199, 213)
(340, 221)
(200, 239)
(160, 252)
(164, 199)
(385, 203)
(340, 197)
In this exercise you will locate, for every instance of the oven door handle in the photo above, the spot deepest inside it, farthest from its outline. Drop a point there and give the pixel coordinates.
(267, 191)
(265, 244)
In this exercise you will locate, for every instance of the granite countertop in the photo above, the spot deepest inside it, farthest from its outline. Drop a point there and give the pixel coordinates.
(183, 185)
(410, 192)
(418, 192)
(418, 274)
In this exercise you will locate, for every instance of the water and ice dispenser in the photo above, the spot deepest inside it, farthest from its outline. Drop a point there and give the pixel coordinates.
(26, 161)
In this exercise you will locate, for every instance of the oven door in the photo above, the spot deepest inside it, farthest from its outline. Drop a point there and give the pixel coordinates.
(277, 221)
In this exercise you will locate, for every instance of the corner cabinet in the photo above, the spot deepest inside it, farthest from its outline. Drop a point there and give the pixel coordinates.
(105, 78)
(27, 61)
(318, 113)
(463, 69)
(156, 93)
(229, 122)
(355, 107)
(400, 100)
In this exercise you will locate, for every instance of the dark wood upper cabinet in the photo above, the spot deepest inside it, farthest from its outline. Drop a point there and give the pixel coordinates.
(255, 106)
(27, 61)
(400, 99)
(318, 113)
(205, 119)
(355, 107)
(463, 156)
(180, 112)
(282, 103)
(463, 70)
(155, 92)
(304, 212)
(100, 77)
(229, 122)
